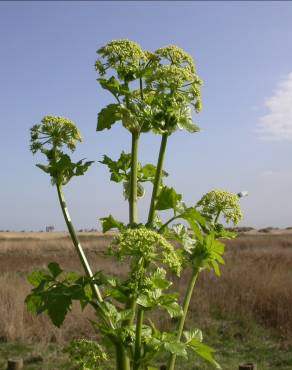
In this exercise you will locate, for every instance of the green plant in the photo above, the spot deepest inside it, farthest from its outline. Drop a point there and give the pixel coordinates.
(154, 92)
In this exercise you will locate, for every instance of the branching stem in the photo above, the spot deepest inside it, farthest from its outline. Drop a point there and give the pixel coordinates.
(186, 304)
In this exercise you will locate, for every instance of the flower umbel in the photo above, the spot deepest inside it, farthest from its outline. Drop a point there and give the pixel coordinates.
(219, 201)
(142, 242)
(54, 130)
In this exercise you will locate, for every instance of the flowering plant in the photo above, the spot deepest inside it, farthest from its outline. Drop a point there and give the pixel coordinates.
(154, 92)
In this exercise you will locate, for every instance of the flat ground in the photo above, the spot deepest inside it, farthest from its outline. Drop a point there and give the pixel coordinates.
(246, 314)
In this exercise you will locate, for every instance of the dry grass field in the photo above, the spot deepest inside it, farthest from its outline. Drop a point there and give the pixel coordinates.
(255, 287)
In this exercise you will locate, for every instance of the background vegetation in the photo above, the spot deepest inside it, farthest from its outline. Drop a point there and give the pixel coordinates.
(246, 314)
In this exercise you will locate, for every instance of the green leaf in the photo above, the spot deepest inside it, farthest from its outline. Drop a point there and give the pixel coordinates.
(111, 85)
(36, 277)
(215, 267)
(176, 348)
(58, 304)
(189, 335)
(81, 168)
(109, 223)
(167, 199)
(44, 168)
(204, 352)
(185, 120)
(35, 303)
(192, 214)
(108, 116)
(158, 279)
(145, 301)
(173, 309)
(54, 269)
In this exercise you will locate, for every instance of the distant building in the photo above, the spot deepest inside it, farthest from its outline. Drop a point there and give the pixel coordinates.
(49, 229)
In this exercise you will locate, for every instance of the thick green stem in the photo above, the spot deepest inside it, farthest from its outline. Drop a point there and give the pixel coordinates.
(76, 242)
(133, 180)
(139, 324)
(122, 358)
(157, 179)
(186, 304)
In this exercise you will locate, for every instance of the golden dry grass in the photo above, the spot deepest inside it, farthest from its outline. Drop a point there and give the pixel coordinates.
(256, 282)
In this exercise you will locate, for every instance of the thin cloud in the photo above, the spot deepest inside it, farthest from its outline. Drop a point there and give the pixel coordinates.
(269, 173)
(277, 124)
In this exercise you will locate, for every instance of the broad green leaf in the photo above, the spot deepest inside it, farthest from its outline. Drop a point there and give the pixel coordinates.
(204, 352)
(81, 168)
(167, 199)
(58, 304)
(35, 303)
(215, 267)
(192, 214)
(108, 116)
(54, 269)
(144, 301)
(173, 309)
(158, 279)
(111, 85)
(36, 277)
(109, 223)
(185, 120)
(176, 348)
(193, 334)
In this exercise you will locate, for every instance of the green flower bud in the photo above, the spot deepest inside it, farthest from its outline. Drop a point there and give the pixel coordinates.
(148, 244)
(220, 201)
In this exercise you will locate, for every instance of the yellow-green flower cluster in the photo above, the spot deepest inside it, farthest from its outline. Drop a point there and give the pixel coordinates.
(176, 56)
(122, 55)
(54, 130)
(148, 244)
(176, 70)
(219, 201)
(166, 85)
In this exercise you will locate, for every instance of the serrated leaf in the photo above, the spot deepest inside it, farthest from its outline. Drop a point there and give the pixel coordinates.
(167, 199)
(109, 223)
(196, 334)
(173, 309)
(108, 116)
(34, 303)
(57, 307)
(111, 85)
(144, 301)
(185, 120)
(54, 269)
(204, 352)
(158, 279)
(36, 277)
(176, 348)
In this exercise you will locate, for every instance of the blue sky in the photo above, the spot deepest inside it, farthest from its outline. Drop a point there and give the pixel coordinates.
(243, 53)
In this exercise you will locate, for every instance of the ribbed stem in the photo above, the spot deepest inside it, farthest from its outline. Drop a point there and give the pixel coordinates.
(133, 216)
(186, 304)
(122, 358)
(139, 324)
(76, 242)
(157, 179)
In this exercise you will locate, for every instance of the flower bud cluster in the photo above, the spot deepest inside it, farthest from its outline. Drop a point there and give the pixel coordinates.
(220, 201)
(148, 244)
(54, 130)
